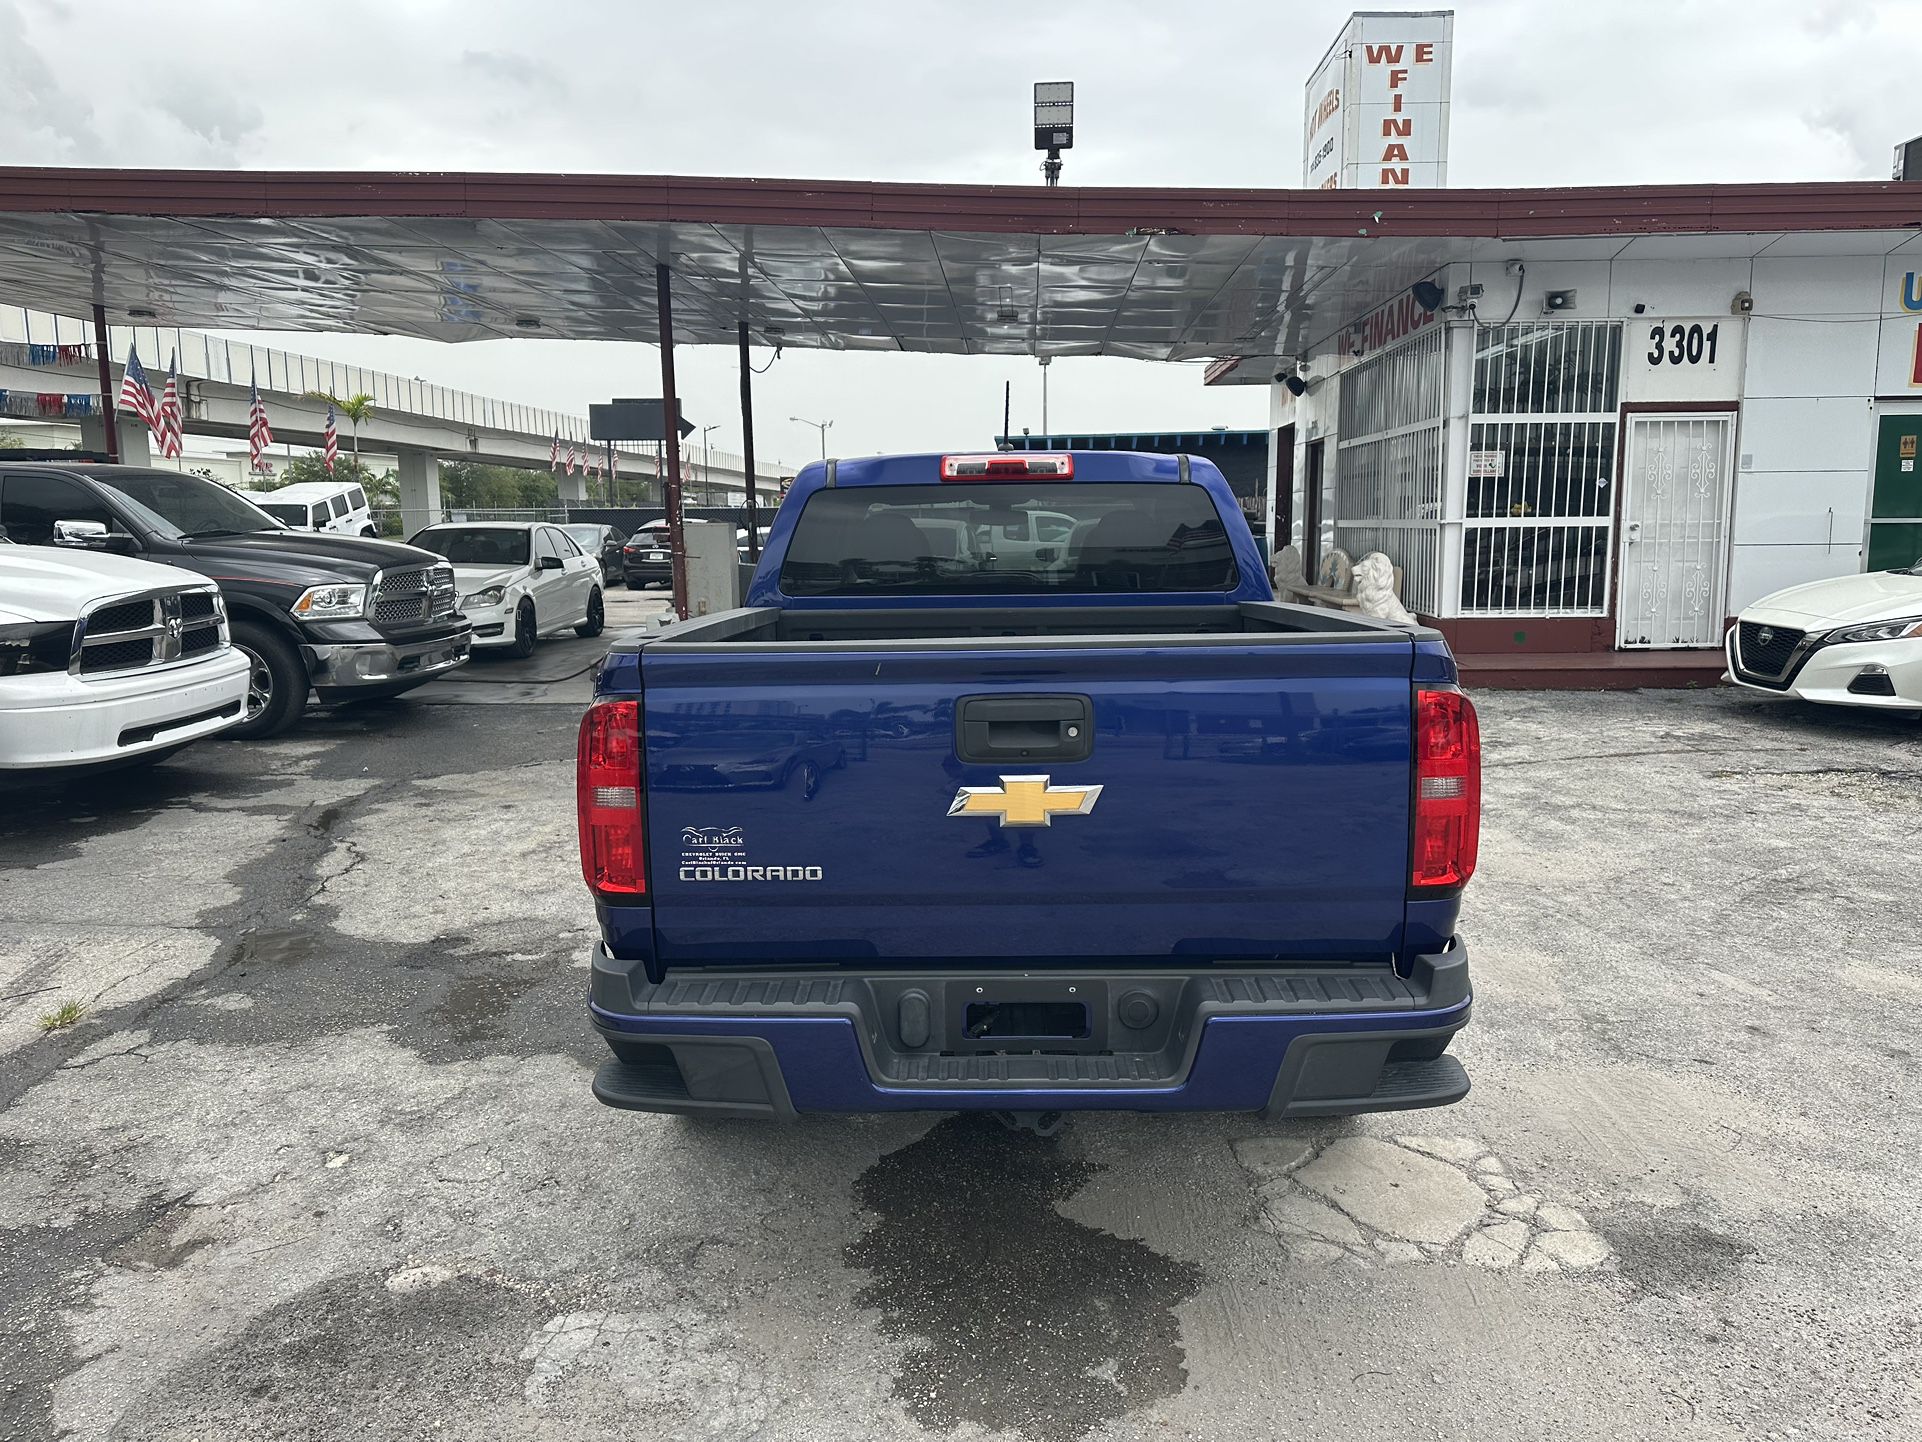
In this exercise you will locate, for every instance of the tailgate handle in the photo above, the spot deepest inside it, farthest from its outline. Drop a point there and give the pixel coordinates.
(991, 730)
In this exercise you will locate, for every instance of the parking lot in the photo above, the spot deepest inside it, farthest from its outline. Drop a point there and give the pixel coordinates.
(319, 1158)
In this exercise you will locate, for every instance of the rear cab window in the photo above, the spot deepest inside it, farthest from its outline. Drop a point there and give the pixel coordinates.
(337, 504)
(357, 499)
(1009, 538)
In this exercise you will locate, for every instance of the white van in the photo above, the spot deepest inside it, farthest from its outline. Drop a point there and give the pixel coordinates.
(319, 506)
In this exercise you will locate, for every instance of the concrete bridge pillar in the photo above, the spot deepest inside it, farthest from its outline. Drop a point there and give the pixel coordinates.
(135, 447)
(573, 488)
(419, 490)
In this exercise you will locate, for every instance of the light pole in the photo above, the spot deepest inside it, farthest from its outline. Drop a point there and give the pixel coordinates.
(707, 463)
(821, 426)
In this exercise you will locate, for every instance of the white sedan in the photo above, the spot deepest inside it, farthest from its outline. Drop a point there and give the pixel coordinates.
(519, 580)
(106, 660)
(1849, 640)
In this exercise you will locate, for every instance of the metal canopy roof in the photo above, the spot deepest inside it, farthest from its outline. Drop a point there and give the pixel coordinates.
(1151, 274)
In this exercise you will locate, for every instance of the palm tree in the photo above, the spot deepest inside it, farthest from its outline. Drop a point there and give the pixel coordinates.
(356, 408)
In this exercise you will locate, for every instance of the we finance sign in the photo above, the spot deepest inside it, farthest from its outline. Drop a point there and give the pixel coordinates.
(1377, 107)
(1383, 326)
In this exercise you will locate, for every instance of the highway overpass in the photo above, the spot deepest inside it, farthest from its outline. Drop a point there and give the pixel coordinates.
(421, 425)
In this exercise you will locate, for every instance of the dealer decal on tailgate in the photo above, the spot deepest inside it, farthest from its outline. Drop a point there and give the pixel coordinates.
(719, 853)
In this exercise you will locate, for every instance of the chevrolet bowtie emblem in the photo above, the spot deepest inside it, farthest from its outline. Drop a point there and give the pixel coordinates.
(1024, 801)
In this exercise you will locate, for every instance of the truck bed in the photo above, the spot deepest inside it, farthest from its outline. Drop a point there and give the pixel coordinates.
(764, 626)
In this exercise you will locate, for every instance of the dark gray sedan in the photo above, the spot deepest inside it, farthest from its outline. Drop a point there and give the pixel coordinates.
(601, 542)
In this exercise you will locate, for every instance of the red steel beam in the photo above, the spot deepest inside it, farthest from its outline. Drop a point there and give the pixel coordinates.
(1040, 210)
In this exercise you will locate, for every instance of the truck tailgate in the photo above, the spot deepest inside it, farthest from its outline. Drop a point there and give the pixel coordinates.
(1254, 805)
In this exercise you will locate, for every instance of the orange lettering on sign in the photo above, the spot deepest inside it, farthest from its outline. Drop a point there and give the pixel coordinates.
(1378, 54)
(1397, 151)
(1915, 366)
(1396, 106)
(1424, 54)
(1400, 177)
(1392, 126)
(1330, 103)
(1395, 78)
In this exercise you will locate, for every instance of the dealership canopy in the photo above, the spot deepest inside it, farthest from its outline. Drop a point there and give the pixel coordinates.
(1147, 273)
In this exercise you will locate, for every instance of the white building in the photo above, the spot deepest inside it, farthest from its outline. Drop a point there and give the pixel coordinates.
(1620, 441)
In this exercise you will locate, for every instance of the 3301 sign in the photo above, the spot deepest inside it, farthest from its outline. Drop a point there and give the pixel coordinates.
(1683, 345)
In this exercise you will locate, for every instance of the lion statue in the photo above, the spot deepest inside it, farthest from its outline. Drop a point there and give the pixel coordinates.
(1375, 590)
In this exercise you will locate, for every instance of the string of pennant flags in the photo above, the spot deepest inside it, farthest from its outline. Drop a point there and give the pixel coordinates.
(28, 353)
(46, 405)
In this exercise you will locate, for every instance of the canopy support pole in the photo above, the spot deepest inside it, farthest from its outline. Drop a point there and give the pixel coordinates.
(107, 417)
(671, 436)
(747, 449)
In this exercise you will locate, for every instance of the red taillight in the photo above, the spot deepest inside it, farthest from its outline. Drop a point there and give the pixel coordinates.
(607, 794)
(1448, 789)
(1007, 466)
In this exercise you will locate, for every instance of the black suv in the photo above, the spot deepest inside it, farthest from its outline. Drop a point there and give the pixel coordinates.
(349, 618)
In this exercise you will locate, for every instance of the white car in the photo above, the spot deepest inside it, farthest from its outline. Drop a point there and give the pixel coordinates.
(519, 580)
(1849, 640)
(107, 660)
(339, 507)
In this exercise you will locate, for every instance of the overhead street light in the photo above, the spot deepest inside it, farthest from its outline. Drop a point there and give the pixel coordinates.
(707, 462)
(1053, 124)
(821, 426)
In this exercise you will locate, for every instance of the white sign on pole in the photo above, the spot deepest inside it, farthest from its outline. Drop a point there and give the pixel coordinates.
(1377, 106)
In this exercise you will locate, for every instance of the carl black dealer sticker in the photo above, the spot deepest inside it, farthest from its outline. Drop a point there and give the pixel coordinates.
(719, 854)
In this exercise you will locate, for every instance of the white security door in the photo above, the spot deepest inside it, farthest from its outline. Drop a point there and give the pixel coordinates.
(1675, 530)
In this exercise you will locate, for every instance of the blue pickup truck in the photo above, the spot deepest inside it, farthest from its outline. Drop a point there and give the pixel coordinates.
(1012, 788)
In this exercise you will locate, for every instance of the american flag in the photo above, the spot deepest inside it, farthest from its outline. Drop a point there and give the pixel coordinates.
(135, 394)
(332, 451)
(259, 434)
(554, 455)
(571, 456)
(168, 431)
(613, 463)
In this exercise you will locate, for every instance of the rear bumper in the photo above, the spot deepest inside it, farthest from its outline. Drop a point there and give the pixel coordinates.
(646, 573)
(1284, 1041)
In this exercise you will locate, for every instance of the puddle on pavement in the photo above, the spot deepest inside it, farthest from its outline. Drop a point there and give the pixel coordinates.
(276, 946)
(475, 1005)
(1017, 1318)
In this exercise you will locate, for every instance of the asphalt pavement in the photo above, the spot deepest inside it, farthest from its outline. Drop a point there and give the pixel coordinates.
(318, 1160)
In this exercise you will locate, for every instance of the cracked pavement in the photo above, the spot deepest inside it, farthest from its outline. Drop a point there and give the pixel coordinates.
(319, 1160)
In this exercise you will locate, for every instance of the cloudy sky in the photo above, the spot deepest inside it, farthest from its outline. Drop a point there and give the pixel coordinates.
(1206, 92)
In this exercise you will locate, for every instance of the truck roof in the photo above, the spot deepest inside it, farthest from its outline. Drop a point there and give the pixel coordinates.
(310, 490)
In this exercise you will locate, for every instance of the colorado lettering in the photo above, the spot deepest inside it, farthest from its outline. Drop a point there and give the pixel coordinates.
(693, 872)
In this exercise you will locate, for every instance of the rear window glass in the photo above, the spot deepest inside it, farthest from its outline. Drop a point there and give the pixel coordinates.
(477, 545)
(1008, 538)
